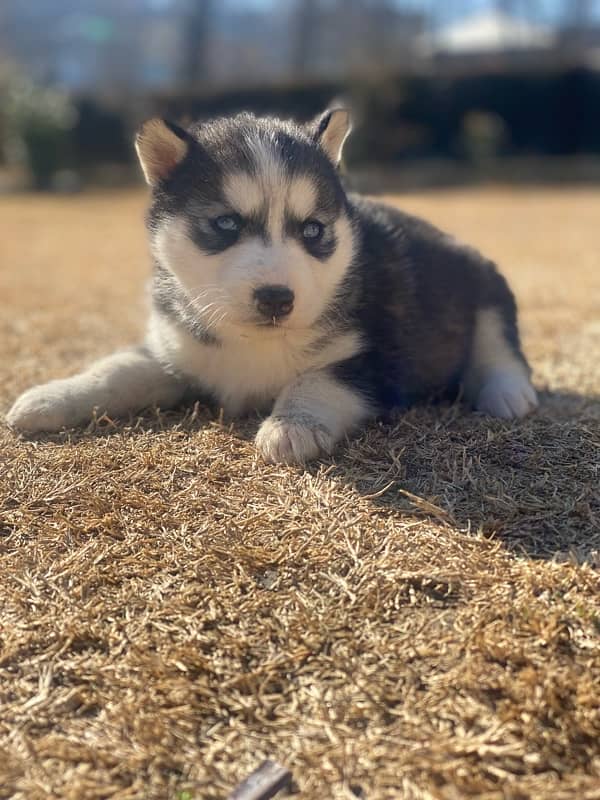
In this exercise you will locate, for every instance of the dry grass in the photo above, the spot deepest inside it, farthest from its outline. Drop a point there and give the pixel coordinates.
(389, 624)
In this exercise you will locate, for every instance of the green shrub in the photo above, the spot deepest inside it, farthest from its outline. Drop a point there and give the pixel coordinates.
(36, 125)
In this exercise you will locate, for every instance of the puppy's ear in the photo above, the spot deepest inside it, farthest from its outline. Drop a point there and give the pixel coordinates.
(160, 146)
(330, 130)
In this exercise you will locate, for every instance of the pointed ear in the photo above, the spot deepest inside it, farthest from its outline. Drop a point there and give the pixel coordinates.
(330, 130)
(160, 146)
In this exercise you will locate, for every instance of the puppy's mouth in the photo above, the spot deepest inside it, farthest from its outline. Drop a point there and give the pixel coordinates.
(260, 322)
(262, 327)
(270, 323)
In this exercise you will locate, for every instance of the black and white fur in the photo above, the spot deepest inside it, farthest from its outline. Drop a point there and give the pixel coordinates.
(274, 290)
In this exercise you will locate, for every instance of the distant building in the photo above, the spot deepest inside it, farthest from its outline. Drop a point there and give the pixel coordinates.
(489, 32)
(490, 39)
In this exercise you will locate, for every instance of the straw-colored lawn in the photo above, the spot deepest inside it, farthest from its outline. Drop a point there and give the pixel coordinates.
(417, 618)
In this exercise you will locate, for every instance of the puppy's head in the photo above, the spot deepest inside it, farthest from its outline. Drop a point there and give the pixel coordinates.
(249, 215)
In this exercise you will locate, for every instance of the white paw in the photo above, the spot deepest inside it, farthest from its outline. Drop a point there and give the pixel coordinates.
(292, 440)
(49, 407)
(507, 394)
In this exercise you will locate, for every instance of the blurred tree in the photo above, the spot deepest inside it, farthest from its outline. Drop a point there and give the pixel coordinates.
(197, 25)
(375, 36)
(305, 28)
(36, 122)
(350, 13)
(579, 12)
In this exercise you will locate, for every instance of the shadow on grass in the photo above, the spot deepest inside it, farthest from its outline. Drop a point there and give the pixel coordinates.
(533, 483)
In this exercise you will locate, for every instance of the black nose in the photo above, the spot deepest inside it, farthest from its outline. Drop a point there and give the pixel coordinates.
(274, 301)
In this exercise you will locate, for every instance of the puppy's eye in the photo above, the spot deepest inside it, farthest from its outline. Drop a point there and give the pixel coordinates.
(312, 229)
(230, 223)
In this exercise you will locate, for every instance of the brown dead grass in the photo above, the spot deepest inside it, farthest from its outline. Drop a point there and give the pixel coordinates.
(417, 618)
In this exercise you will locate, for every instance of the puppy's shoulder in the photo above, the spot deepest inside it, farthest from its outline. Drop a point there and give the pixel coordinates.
(404, 242)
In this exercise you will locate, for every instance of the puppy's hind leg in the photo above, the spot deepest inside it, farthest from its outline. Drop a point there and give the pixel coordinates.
(497, 376)
(126, 381)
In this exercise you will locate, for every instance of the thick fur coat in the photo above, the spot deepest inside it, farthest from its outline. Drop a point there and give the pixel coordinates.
(274, 290)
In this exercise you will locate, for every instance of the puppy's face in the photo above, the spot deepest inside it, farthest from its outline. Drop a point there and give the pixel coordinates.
(250, 217)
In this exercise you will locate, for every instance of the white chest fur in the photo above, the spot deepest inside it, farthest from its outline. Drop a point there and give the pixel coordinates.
(247, 371)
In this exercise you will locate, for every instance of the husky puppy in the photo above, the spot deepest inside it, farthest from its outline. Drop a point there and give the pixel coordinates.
(274, 290)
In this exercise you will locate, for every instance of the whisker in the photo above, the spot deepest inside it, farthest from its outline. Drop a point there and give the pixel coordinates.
(220, 320)
(214, 316)
(192, 302)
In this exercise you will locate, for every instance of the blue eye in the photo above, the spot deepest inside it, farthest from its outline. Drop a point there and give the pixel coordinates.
(228, 222)
(312, 230)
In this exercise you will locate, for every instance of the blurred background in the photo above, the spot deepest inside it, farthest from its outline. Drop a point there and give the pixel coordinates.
(442, 91)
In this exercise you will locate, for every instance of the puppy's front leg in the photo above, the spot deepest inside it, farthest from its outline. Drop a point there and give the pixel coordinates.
(126, 381)
(309, 417)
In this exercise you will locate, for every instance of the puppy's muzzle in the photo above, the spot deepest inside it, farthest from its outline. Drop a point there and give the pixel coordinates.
(274, 302)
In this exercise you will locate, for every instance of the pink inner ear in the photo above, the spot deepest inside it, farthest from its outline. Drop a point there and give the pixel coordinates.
(160, 150)
(166, 157)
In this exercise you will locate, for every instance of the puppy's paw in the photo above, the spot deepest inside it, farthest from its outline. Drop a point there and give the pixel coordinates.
(507, 394)
(292, 440)
(49, 407)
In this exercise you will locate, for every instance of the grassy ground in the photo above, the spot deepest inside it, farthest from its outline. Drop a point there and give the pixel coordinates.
(418, 617)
